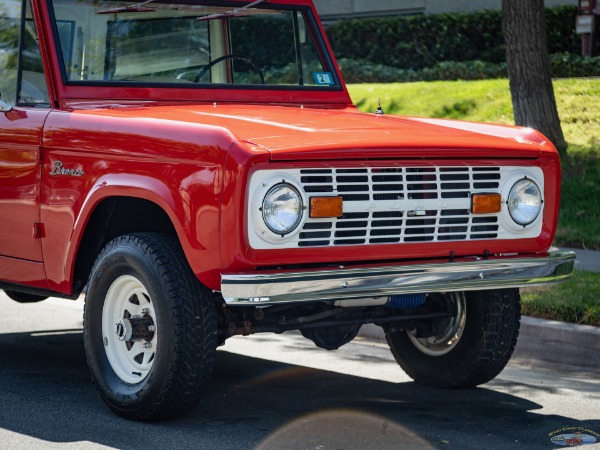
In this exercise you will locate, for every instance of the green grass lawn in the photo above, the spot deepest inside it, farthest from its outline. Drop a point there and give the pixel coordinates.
(578, 101)
(575, 301)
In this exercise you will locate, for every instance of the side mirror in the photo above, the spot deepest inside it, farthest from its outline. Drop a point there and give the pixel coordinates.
(4, 107)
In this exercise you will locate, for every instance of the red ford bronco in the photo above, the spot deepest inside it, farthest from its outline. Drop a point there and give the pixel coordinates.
(198, 170)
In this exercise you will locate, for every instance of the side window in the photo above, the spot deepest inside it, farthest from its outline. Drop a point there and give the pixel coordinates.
(27, 75)
(10, 15)
(33, 90)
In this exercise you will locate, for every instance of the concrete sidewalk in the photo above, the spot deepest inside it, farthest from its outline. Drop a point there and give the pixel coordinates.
(554, 345)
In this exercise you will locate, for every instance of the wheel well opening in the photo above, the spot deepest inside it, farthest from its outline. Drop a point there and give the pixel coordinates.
(115, 217)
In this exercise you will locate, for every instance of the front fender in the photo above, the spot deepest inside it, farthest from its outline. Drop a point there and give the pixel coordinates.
(189, 200)
(148, 153)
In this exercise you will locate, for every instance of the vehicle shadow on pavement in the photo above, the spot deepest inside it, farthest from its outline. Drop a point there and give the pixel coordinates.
(46, 394)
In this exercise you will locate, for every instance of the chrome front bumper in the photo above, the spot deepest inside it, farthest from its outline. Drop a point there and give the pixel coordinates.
(384, 281)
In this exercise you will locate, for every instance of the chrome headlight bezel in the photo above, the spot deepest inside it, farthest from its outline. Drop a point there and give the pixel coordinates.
(282, 209)
(258, 214)
(525, 202)
(511, 178)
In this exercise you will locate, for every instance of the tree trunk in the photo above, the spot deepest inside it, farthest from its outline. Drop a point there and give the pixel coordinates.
(529, 69)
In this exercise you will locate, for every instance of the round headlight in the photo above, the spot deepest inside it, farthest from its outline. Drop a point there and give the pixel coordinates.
(524, 202)
(282, 209)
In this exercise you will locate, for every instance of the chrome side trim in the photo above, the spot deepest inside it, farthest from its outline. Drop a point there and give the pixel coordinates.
(343, 284)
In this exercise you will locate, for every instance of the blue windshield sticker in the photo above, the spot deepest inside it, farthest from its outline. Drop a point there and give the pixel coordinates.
(323, 78)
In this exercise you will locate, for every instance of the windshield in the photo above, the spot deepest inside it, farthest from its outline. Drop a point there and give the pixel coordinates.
(190, 44)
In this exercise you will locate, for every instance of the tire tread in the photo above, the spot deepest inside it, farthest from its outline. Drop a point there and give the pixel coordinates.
(470, 364)
(194, 333)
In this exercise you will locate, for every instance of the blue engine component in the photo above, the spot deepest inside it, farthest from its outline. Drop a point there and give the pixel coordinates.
(406, 301)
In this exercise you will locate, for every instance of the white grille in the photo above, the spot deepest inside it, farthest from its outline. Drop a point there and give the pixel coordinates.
(394, 205)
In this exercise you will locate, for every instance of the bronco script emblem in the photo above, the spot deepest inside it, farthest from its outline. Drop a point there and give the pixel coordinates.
(58, 169)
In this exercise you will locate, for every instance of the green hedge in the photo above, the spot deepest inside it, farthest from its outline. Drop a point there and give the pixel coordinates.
(568, 65)
(417, 42)
(562, 65)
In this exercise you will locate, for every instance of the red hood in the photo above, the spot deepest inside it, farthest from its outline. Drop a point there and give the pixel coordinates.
(301, 133)
(295, 133)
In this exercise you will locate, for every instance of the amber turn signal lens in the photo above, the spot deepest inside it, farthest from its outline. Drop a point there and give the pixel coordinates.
(321, 207)
(486, 203)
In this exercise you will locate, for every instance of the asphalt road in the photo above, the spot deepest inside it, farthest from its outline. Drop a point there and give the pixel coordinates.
(276, 392)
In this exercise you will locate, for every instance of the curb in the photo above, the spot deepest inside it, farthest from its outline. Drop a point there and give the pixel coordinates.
(560, 346)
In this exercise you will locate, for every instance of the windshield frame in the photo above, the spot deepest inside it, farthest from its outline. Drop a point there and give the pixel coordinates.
(206, 92)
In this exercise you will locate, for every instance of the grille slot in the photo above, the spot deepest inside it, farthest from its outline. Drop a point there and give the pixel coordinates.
(390, 188)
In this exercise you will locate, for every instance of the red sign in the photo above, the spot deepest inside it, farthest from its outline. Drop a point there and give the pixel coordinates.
(587, 6)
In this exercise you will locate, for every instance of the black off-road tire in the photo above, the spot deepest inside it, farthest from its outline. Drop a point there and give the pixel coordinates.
(22, 297)
(185, 321)
(488, 339)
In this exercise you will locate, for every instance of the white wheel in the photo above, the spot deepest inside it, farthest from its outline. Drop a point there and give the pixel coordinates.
(129, 329)
(149, 328)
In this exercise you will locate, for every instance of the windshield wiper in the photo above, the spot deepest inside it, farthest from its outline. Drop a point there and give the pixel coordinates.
(237, 12)
(138, 7)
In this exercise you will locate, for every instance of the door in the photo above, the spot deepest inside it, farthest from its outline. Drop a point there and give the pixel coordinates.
(24, 107)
